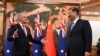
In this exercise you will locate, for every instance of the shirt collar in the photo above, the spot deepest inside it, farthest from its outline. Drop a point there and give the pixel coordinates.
(20, 24)
(75, 20)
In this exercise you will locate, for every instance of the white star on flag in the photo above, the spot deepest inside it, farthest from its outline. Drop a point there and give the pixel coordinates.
(62, 51)
(36, 51)
(8, 51)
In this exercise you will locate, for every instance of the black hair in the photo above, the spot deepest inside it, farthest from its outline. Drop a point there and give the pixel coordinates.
(75, 9)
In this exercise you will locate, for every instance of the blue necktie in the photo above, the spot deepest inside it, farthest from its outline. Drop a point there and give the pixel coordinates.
(71, 25)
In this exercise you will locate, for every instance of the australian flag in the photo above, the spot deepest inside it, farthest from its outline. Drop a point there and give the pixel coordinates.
(62, 39)
(37, 48)
(8, 45)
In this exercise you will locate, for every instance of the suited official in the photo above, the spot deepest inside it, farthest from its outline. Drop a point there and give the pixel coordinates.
(21, 36)
(79, 35)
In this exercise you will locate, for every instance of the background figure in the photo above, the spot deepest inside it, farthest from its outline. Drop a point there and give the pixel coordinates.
(79, 35)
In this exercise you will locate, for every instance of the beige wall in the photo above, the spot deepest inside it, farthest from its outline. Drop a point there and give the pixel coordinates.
(91, 18)
(95, 25)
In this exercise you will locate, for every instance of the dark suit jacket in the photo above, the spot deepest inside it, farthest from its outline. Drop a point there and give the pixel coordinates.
(21, 44)
(79, 39)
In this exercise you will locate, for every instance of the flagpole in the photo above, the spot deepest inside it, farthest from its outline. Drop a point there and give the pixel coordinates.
(4, 26)
(4, 20)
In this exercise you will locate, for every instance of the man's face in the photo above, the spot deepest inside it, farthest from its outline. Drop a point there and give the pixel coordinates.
(23, 19)
(71, 15)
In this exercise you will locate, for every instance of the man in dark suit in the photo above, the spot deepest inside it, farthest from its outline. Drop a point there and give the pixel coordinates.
(21, 36)
(79, 35)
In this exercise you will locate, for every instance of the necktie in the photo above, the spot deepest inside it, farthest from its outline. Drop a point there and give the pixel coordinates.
(71, 26)
(24, 30)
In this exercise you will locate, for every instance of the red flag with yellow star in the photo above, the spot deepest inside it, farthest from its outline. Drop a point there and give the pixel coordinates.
(49, 47)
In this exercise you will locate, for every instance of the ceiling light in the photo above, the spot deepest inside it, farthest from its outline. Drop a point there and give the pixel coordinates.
(87, 12)
(1, 9)
(82, 6)
(96, 13)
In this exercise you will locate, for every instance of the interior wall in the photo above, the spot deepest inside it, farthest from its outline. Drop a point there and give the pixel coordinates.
(91, 18)
(1, 23)
(1, 32)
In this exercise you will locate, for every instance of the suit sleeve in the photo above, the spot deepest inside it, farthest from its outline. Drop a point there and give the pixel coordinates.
(33, 40)
(88, 36)
(10, 33)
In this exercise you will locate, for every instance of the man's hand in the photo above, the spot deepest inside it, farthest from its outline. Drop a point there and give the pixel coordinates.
(44, 41)
(87, 54)
(15, 34)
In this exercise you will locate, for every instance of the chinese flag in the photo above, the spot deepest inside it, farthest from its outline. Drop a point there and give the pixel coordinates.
(49, 47)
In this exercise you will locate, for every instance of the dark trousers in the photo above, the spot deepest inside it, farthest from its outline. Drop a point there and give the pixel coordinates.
(26, 54)
(68, 54)
(22, 55)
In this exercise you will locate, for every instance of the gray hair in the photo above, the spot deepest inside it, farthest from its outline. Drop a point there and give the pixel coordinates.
(19, 16)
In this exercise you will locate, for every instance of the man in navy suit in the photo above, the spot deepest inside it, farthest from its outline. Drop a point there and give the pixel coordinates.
(79, 35)
(21, 36)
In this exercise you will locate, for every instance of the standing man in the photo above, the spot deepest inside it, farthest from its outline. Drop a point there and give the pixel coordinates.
(21, 37)
(79, 35)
